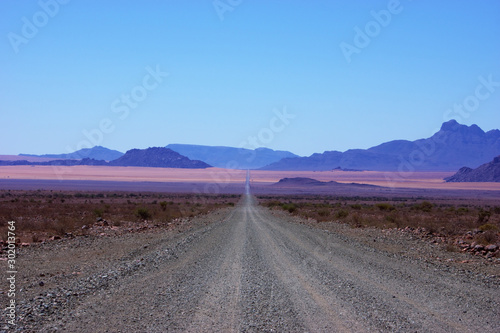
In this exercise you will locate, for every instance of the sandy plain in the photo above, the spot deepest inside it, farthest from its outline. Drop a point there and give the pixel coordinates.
(411, 180)
(122, 174)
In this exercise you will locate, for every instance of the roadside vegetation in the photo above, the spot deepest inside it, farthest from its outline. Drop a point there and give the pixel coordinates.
(442, 218)
(43, 214)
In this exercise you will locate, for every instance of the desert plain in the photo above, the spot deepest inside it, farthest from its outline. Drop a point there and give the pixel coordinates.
(224, 178)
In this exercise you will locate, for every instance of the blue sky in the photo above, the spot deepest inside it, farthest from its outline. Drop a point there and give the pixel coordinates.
(303, 76)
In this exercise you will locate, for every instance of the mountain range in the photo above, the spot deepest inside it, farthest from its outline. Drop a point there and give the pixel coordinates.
(449, 149)
(157, 157)
(217, 156)
(96, 153)
(66, 162)
(232, 158)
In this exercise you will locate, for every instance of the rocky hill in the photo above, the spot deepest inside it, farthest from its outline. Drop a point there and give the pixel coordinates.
(488, 172)
(157, 157)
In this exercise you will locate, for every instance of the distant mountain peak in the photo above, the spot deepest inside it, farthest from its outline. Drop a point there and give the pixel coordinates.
(453, 126)
(450, 125)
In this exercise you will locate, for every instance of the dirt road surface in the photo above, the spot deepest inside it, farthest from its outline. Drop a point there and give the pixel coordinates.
(248, 271)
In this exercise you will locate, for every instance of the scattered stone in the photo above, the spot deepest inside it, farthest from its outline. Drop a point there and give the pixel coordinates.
(491, 247)
(479, 247)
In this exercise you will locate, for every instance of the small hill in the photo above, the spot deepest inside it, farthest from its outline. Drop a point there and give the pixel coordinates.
(488, 172)
(157, 157)
(300, 181)
(96, 153)
(304, 182)
(230, 157)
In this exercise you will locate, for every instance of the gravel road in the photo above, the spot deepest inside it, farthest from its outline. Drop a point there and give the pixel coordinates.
(249, 271)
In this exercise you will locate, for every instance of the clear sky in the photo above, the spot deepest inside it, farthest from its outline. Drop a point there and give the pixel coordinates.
(340, 74)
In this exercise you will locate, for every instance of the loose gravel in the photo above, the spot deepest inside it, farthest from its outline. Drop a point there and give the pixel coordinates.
(248, 269)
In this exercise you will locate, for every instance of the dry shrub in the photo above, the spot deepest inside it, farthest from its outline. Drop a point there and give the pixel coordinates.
(356, 220)
(324, 212)
(487, 226)
(487, 237)
(385, 207)
(342, 213)
(143, 213)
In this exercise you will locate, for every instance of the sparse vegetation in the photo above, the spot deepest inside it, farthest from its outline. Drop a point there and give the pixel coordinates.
(290, 207)
(143, 213)
(98, 212)
(424, 206)
(483, 216)
(41, 214)
(385, 207)
(444, 218)
(487, 226)
(340, 214)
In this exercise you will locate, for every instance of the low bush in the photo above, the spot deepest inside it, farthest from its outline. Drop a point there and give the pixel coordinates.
(340, 214)
(424, 206)
(487, 226)
(290, 207)
(385, 207)
(143, 213)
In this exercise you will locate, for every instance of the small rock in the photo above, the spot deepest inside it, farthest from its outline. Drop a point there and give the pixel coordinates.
(41, 283)
(491, 248)
(478, 247)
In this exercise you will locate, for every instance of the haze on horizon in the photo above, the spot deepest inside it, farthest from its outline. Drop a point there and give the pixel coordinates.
(297, 76)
